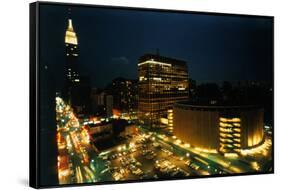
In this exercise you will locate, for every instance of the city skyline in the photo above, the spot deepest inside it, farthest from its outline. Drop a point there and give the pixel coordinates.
(227, 50)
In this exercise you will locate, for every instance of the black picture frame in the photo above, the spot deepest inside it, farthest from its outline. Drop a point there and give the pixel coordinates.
(40, 168)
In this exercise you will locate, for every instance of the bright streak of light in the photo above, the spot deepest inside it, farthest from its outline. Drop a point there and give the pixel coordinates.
(79, 176)
(89, 172)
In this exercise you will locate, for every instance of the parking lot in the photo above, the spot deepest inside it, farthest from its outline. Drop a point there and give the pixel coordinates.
(145, 158)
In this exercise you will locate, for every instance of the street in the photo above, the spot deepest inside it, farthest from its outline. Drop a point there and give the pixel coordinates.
(147, 155)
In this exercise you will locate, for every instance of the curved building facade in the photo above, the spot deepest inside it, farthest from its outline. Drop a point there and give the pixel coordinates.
(225, 128)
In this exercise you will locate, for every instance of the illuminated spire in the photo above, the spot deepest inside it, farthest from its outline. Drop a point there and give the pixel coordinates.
(70, 35)
(70, 27)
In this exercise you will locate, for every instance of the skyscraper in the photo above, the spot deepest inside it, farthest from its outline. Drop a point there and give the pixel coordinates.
(71, 43)
(71, 70)
(77, 88)
(162, 82)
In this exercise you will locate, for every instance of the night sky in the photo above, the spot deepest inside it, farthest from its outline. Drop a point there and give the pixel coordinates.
(216, 48)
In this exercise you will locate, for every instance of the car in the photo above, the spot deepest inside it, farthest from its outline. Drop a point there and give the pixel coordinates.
(124, 153)
(188, 162)
(133, 150)
(117, 176)
(194, 166)
(105, 170)
(174, 173)
(150, 156)
(145, 176)
(137, 172)
(104, 157)
(156, 144)
(180, 158)
(112, 157)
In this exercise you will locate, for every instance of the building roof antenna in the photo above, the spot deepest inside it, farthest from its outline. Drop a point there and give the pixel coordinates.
(69, 12)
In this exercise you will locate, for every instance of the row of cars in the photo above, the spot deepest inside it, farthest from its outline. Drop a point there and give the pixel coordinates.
(165, 168)
(127, 165)
(132, 165)
(118, 173)
(169, 153)
(148, 154)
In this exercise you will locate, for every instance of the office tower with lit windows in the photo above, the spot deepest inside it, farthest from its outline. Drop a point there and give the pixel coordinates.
(162, 82)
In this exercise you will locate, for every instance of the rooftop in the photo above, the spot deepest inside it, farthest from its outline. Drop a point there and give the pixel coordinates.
(213, 104)
(157, 57)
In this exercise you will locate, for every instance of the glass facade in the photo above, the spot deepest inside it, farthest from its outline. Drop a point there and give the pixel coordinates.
(162, 82)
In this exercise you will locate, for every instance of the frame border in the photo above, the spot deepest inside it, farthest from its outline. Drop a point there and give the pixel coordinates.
(34, 95)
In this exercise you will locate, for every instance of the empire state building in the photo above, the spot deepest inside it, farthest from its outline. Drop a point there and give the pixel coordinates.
(77, 87)
(71, 43)
(72, 79)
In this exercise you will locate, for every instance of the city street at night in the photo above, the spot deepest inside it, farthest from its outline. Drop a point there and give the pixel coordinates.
(146, 155)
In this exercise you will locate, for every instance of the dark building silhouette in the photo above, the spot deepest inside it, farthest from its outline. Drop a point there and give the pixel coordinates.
(192, 88)
(208, 92)
(101, 102)
(109, 105)
(125, 94)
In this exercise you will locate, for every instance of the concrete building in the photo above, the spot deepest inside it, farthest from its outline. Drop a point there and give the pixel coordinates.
(226, 128)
